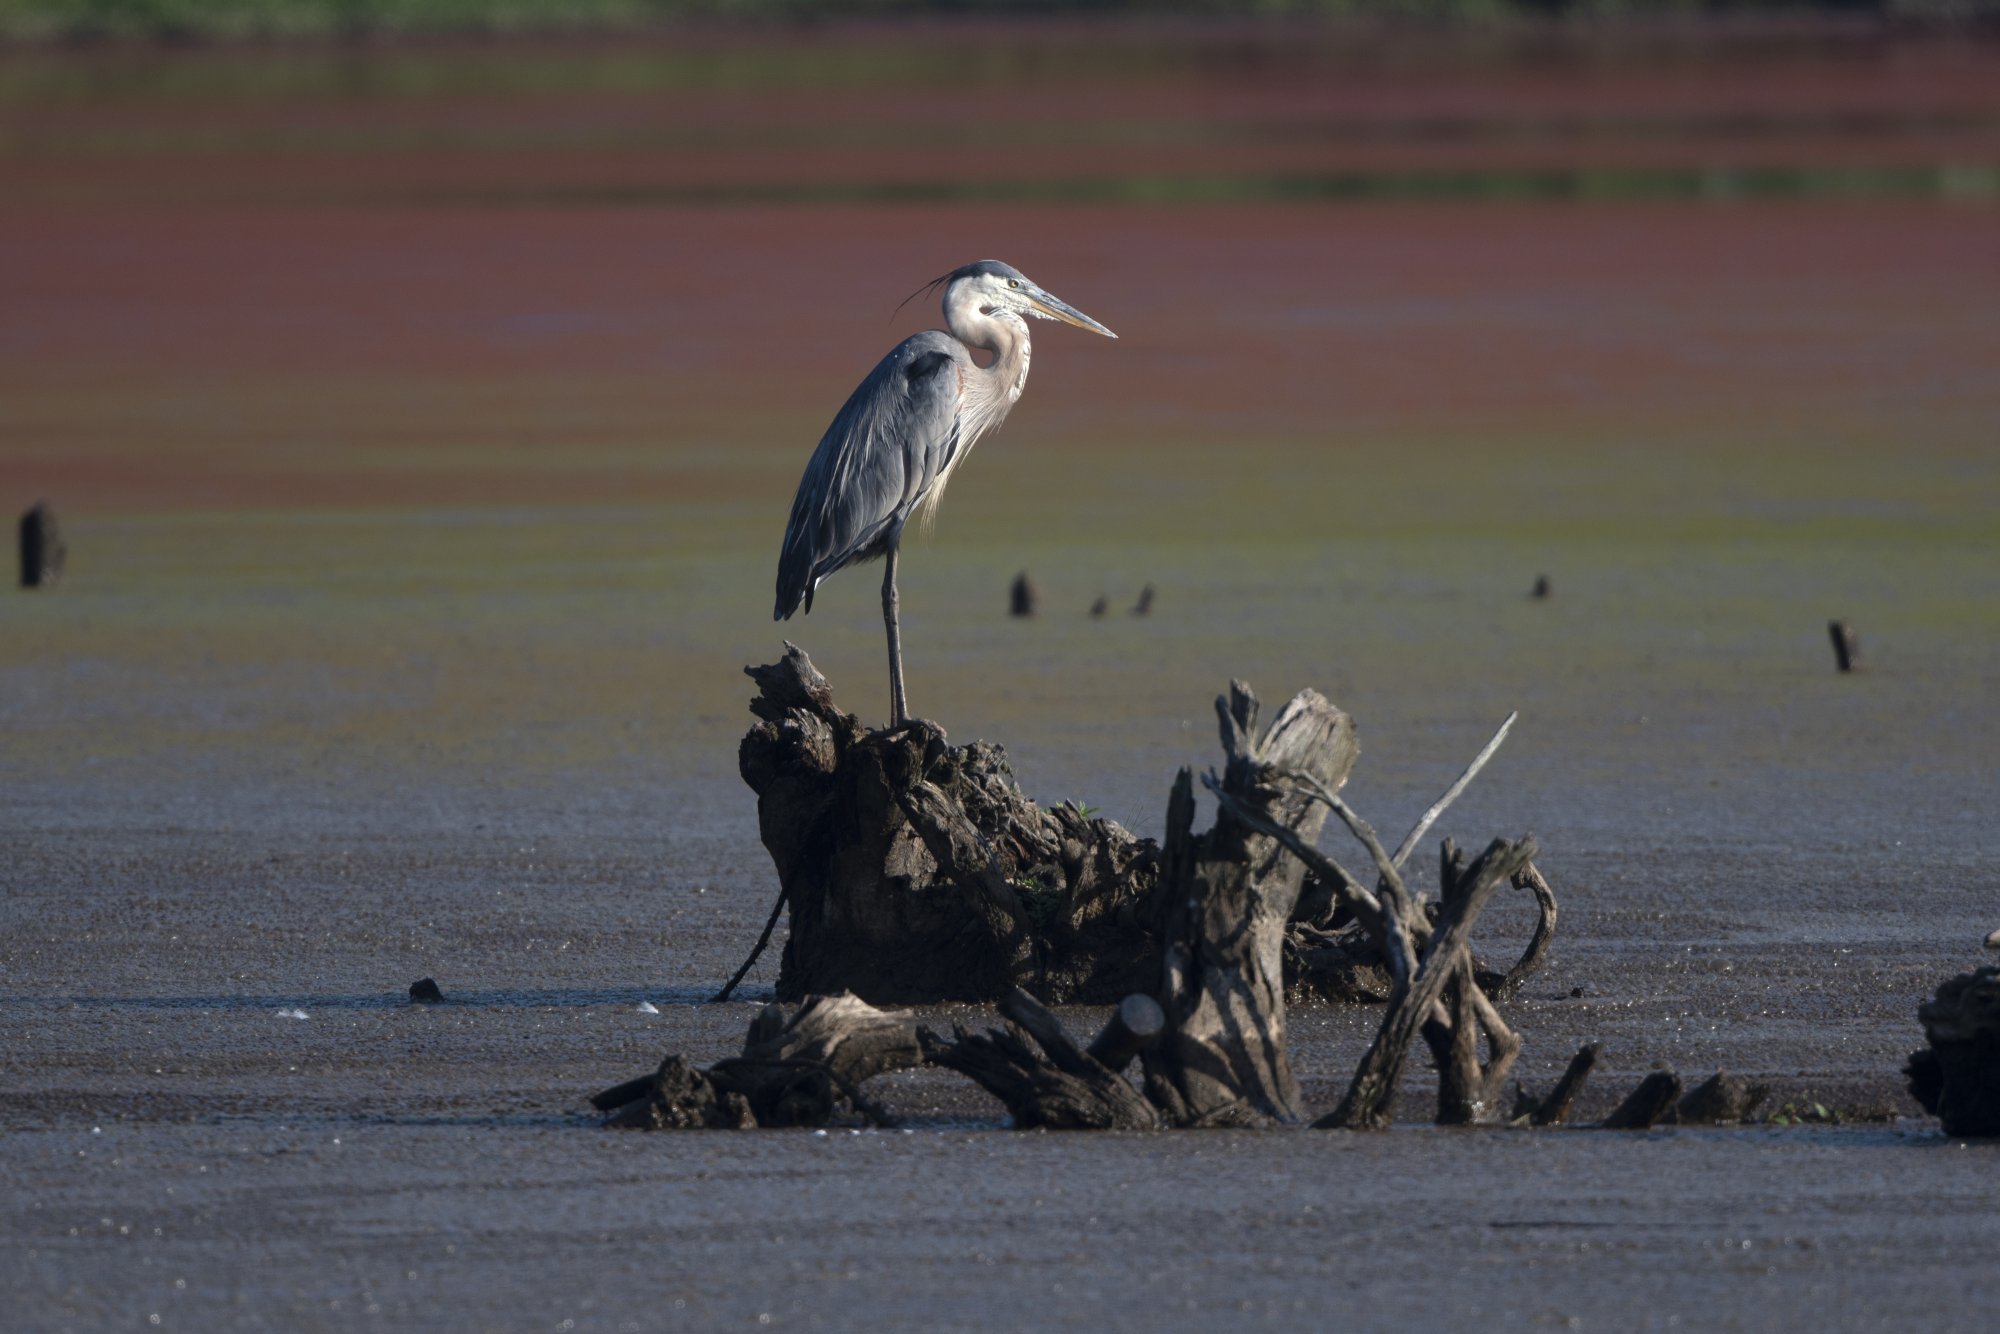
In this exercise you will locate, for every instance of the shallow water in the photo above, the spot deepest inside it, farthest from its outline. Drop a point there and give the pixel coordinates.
(417, 545)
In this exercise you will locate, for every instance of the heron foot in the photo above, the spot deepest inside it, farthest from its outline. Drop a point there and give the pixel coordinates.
(908, 725)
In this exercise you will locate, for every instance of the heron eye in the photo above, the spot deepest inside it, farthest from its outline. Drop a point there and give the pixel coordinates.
(1012, 283)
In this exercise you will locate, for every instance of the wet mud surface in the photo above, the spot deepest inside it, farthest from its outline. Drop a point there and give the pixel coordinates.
(416, 546)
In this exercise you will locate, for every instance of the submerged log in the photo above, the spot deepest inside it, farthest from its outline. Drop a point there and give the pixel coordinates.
(1061, 1087)
(1957, 1077)
(795, 1070)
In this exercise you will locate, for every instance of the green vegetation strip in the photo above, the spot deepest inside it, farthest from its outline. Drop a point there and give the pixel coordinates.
(42, 20)
(1970, 183)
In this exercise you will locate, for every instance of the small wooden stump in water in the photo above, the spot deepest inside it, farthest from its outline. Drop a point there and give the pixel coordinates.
(1554, 1109)
(1144, 605)
(42, 548)
(1099, 607)
(1646, 1105)
(1846, 645)
(1721, 1099)
(1021, 598)
(1541, 590)
(1957, 1077)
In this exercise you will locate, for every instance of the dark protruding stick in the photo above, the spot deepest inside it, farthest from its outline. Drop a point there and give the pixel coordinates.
(1649, 1102)
(1537, 952)
(1021, 600)
(770, 925)
(1541, 587)
(1846, 645)
(1099, 607)
(42, 548)
(1134, 1026)
(1145, 602)
(1555, 1108)
(622, 1095)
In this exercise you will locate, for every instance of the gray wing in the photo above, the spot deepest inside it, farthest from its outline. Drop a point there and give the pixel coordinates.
(897, 432)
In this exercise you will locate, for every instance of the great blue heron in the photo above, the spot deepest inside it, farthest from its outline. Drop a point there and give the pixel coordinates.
(915, 418)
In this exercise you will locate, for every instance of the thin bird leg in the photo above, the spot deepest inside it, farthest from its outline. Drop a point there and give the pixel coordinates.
(899, 709)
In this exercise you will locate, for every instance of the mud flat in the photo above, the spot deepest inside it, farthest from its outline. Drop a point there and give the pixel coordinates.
(416, 545)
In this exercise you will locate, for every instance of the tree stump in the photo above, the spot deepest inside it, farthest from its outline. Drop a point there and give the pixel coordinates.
(1021, 597)
(1957, 1077)
(1646, 1105)
(917, 871)
(1228, 895)
(42, 548)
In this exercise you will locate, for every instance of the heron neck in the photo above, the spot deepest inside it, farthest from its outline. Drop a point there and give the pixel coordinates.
(1005, 335)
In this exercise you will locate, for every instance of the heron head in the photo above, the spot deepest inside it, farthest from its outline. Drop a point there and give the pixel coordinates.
(995, 287)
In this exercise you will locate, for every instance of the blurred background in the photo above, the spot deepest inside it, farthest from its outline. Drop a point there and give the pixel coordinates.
(422, 385)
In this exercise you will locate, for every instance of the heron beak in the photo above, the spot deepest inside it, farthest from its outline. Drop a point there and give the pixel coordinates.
(1062, 310)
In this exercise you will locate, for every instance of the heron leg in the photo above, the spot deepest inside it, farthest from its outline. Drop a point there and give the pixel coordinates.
(899, 709)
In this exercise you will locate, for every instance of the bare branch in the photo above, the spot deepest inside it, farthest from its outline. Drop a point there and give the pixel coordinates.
(1316, 861)
(1453, 792)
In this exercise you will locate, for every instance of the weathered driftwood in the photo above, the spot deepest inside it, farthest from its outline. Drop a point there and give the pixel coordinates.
(1059, 1087)
(1957, 1077)
(914, 870)
(918, 871)
(1228, 894)
(1468, 1091)
(795, 1070)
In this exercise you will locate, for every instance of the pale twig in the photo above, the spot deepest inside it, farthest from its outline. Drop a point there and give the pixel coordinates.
(1451, 793)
